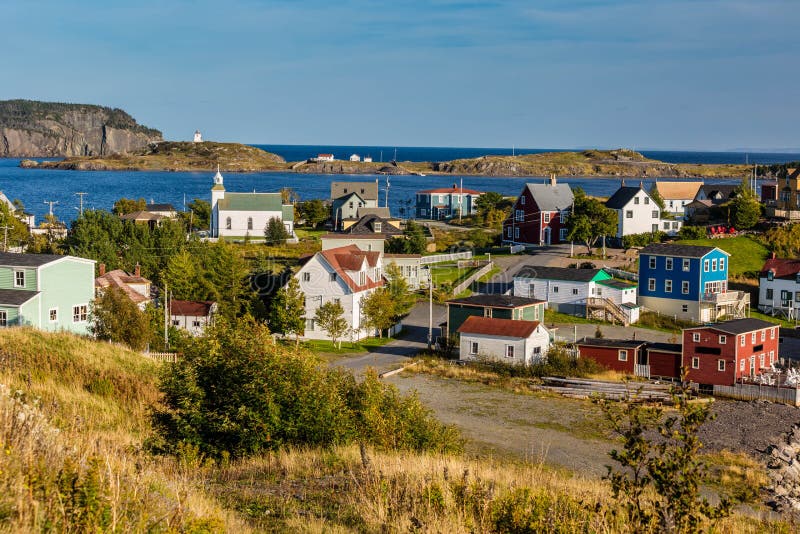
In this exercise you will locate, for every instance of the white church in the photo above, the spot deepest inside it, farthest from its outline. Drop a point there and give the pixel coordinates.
(243, 214)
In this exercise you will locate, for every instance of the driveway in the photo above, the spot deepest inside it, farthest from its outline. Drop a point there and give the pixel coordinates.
(503, 282)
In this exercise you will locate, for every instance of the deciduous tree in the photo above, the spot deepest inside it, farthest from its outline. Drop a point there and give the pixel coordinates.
(315, 212)
(115, 317)
(330, 316)
(378, 310)
(287, 313)
(589, 220)
(124, 205)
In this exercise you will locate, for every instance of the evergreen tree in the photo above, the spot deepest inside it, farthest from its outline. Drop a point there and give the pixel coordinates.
(287, 312)
(745, 209)
(315, 212)
(330, 316)
(183, 278)
(275, 233)
(227, 275)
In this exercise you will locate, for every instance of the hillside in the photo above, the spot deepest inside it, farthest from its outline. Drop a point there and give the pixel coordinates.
(74, 424)
(175, 156)
(48, 129)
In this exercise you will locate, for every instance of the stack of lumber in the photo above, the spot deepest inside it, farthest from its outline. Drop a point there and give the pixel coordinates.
(579, 388)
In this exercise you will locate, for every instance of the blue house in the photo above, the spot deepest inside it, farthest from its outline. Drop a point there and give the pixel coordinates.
(688, 282)
(446, 202)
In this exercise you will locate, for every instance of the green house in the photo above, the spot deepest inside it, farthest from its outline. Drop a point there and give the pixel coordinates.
(496, 306)
(46, 291)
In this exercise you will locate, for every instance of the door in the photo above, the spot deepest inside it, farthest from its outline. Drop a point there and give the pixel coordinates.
(547, 232)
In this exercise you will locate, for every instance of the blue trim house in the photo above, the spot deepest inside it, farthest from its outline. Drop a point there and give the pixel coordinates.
(688, 282)
(446, 202)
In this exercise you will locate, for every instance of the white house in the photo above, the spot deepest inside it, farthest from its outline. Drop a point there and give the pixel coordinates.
(241, 214)
(677, 195)
(345, 274)
(637, 213)
(507, 340)
(367, 159)
(411, 267)
(355, 157)
(192, 316)
(579, 291)
(324, 157)
(134, 286)
(779, 288)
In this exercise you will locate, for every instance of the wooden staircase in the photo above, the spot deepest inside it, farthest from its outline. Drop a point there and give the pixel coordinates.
(605, 310)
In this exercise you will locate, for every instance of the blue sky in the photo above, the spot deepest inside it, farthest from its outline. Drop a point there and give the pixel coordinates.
(694, 74)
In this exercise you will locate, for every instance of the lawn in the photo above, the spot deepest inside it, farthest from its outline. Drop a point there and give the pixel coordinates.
(777, 320)
(747, 256)
(324, 345)
(450, 274)
(309, 233)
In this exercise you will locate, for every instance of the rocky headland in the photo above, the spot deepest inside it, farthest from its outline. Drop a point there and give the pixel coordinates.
(48, 129)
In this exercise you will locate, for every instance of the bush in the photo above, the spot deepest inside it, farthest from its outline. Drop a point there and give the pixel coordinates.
(235, 393)
(642, 240)
(692, 232)
(558, 363)
(524, 510)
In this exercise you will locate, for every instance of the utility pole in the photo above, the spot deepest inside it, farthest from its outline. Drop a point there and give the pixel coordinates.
(461, 200)
(5, 237)
(430, 308)
(51, 203)
(166, 318)
(80, 195)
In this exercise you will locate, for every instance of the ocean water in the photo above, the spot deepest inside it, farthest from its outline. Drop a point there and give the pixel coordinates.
(35, 187)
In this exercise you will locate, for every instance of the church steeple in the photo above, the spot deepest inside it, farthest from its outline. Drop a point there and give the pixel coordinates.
(218, 181)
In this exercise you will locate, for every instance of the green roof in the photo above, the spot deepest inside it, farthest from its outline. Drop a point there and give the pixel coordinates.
(251, 202)
(617, 284)
(288, 213)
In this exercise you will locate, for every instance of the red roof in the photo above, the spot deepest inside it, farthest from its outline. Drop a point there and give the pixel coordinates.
(191, 308)
(498, 327)
(351, 258)
(122, 280)
(455, 190)
(325, 155)
(781, 268)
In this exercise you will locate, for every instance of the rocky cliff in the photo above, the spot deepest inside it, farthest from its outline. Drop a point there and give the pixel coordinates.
(47, 129)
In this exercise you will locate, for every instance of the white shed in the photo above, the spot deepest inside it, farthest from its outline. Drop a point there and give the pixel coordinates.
(506, 340)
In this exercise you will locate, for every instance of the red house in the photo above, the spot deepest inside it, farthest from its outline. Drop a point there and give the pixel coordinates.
(727, 352)
(539, 215)
(624, 355)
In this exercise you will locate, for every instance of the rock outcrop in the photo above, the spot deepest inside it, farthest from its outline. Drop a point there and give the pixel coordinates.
(46, 129)
(784, 473)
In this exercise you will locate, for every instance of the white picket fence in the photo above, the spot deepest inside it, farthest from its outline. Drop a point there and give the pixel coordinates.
(474, 276)
(438, 258)
(171, 357)
(781, 395)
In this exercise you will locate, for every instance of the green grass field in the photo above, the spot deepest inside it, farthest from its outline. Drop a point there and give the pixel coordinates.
(325, 346)
(747, 256)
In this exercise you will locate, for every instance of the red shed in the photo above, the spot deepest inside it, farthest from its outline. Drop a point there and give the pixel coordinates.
(664, 359)
(617, 354)
(726, 352)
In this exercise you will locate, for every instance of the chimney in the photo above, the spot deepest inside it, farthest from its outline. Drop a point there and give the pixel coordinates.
(773, 256)
(102, 269)
(622, 183)
(137, 271)
(553, 180)
(641, 184)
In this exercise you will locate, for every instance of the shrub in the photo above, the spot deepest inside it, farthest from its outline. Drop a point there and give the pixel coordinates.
(692, 232)
(641, 240)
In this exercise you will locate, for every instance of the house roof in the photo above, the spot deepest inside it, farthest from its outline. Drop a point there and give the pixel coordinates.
(781, 268)
(737, 326)
(622, 197)
(611, 343)
(683, 251)
(495, 301)
(409, 256)
(251, 202)
(16, 297)
(380, 212)
(191, 308)
(159, 207)
(677, 190)
(141, 215)
(558, 273)
(121, 280)
(372, 235)
(351, 258)
(367, 190)
(4, 200)
(617, 284)
(718, 193)
(13, 259)
(366, 225)
(489, 326)
(446, 190)
(551, 197)
(676, 348)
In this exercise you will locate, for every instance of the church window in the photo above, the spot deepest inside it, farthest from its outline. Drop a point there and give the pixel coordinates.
(228, 223)
(249, 223)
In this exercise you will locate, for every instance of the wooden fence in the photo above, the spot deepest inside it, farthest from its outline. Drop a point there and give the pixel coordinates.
(781, 395)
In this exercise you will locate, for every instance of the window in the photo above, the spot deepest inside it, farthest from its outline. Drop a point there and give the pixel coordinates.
(770, 275)
(537, 351)
(249, 223)
(629, 214)
(668, 263)
(763, 335)
(752, 337)
(3, 318)
(575, 291)
(720, 365)
(473, 347)
(666, 225)
(176, 322)
(651, 262)
(487, 312)
(509, 351)
(685, 308)
(647, 200)
(351, 205)
(80, 313)
(338, 301)
(424, 212)
(332, 277)
(306, 277)
(772, 356)
(723, 339)
(547, 217)
(623, 356)
(635, 200)
(508, 232)
(696, 337)
(530, 290)
(772, 333)
(651, 284)
(705, 265)
(655, 214)
(741, 365)
(695, 363)
(378, 227)
(686, 265)
(53, 313)
(797, 296)
(769, 294)
(668, 286)
(714, 265)
(555, 289)
(741, 341)
(522, 200)
(310, 324)
(761, 360)
(520, 215)
(562, 234)
(722, 264)
(362, 278)
(516, 233)
(228, 223)
(19, 278)
(675, 225)
(685, 287)
(196, 324)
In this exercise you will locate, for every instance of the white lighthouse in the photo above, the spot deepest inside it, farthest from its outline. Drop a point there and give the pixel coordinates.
(198, 137)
